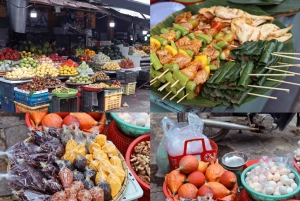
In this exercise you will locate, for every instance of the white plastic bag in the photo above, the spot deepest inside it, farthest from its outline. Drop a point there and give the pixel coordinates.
(177, 136)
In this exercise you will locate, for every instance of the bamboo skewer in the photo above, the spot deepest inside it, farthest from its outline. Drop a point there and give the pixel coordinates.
(271, 74)
(173, 96)
(153, 79)
(283, 71)
(283, 81)
(174, 83)
(259, 95)
(274, 88)
(153, 83)
(182, 98)
(163, 73)
(288, 53)
(284, 56)
(166, 95)
(286, 65)
(164, 86)
(180, 90)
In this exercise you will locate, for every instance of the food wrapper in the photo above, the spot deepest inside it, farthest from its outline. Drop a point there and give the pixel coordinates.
(89, 158)
(72, 153)
(116, 161)
(75, 187)
(104, 185)
(94, 164)
(80, 149)
(100, 155)
(89, 173)
(94, 147)
(66, 177)
(54, 132)
(101, 139)
(80, 162)
(70, 156)
(40, 137)
(32, 195)
(115, 184)
(56, 148)
(78, 136)
(71, 145)
(100, 176)
(35, 160)
(66, 134)
(24, 177)
(118, 171)
(64, 163)
(110, 149)
(49, 170)
(78, 176)
(105, 165)
(97, 194)
(59, 196)
(84, 195)
(52, 185)
(88, 183)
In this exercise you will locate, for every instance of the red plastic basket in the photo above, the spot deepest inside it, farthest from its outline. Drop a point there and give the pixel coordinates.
(204, 156)
(296, 165)
(121, 140)
(145, 187)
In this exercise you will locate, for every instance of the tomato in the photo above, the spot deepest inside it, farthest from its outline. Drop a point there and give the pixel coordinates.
(217, 25)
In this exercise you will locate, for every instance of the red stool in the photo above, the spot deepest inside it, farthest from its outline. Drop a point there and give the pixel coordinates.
(121, 140)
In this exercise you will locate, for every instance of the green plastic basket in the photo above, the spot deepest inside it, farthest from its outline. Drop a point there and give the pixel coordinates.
(72, 93)
(129, 129)
(262, 197)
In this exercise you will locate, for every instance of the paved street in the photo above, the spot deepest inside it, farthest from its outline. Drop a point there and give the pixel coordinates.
(255, 145)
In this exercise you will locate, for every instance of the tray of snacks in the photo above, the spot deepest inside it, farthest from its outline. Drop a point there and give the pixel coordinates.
(64, 92)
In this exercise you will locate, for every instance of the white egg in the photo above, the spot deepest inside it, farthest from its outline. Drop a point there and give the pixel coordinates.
(271, 164)
(251, 186)
(294, 186)
(283, 171)
(270, 177)
(282, 190)
(262, 178)
(255, 178)
(279, 184)
(281, 166)
(289, 190)
(292, 176)
(274, 169)
(272, 184)
(140, 122)
(292, 181)
(276, 177)
(147, 124)
(144, 115)
(276, 193)
(269, 190)
(256, 185)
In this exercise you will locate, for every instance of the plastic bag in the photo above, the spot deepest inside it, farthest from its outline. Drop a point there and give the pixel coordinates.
(52, 185)
(56, 148)
(66, 134)
(115, 184)
(116, 161)
(66, 177)
(31, 195)
(100, 155)
(40, 137)
(118, 171)
(110, 149)
(88, 183)
(84, 195)
(94, 164)
(54, 132)
(97, 194)
(80, 162)
(35, 160)
(59, 196)
(90, 173)
(104, 185)
(78, 176)
(89, 158)
(94, 146)
(173, 140)
(49, 170)
(101, 139)
(287, 160)
(64, 163)
(24, 177)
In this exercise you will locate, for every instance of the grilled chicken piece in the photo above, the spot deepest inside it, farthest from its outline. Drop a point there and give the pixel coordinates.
(215, 63)
(201, 76)
(164, 56)
(153, 47)
(186, 44)
(283, 38)
(225, 22)
(197, 90)
(186, 25)
(211, 52)
(192, 69)
(169, 36)
(207, 14)
(181, 59)
(244, 32)
(184, 17)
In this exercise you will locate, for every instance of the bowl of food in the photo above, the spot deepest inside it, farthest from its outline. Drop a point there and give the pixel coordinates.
(132, 124)
(283, 184)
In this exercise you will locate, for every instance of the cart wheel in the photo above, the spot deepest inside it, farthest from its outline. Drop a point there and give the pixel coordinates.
(215, 134)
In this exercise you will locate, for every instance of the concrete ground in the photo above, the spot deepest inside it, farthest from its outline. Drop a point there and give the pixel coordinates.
(277, 143)
(141, 103)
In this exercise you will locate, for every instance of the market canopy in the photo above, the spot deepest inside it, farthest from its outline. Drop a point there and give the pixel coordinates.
(140, 6)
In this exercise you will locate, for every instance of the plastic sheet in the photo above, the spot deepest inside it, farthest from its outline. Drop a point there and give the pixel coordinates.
(97, 194)
(84, 195)
(31, 195)
(56, 148)
(49, 170)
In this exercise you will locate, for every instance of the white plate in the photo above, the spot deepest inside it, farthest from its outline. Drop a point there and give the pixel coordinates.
(160, 11)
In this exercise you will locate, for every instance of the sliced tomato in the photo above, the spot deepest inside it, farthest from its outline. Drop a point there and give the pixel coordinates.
(217, 25)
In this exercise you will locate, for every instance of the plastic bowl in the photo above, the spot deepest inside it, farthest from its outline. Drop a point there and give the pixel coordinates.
(129, 129)
(129, 151)
(262, 197)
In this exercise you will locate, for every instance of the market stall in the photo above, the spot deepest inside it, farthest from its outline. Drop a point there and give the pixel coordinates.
(43, 69)
(80, 156)
(257, 96)
(188, 165)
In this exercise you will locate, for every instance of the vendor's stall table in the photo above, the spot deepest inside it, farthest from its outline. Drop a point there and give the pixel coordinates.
(65, 104)
(92, 101)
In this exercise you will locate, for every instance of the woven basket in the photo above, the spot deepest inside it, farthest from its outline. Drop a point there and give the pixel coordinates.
(122, 191)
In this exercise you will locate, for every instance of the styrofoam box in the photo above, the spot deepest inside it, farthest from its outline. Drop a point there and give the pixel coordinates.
(134, 190)
(27, 92)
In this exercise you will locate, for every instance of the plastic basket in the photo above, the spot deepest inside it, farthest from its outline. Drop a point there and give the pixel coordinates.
(32, 98)
(21, 108)
(110, 92)
(87, 101)
(129, 88)
(204, 156)
(65, 104)
(113, 101)
(121, 140)
(7, 89)
(65, 95)
(31, 104)
(144, 75)
(129, 129)
(126, 76)
(7, 104)
(145, 186)
(259, 196)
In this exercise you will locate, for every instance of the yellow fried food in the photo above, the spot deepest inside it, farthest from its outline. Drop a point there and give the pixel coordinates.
(100, 176)
(119, 172)
(71, 144)
(116, 161)
(100, 139)
(100, 155)
(110, 149)
(115, 184)
(89, 158)
(80, 149)
(70, 156)
(105, 165)
(94, 164)
(93, 146)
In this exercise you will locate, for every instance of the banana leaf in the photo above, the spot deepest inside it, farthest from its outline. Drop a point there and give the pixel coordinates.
(205, 102)
(286, 6)
(255, 2)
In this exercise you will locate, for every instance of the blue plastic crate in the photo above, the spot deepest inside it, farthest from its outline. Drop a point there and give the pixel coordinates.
(7, 104)
(31, 104)
(7, 89)
(35, 98)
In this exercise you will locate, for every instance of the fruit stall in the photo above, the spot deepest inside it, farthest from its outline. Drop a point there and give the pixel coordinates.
(193, 169)
(90, 82)
(80, 156)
